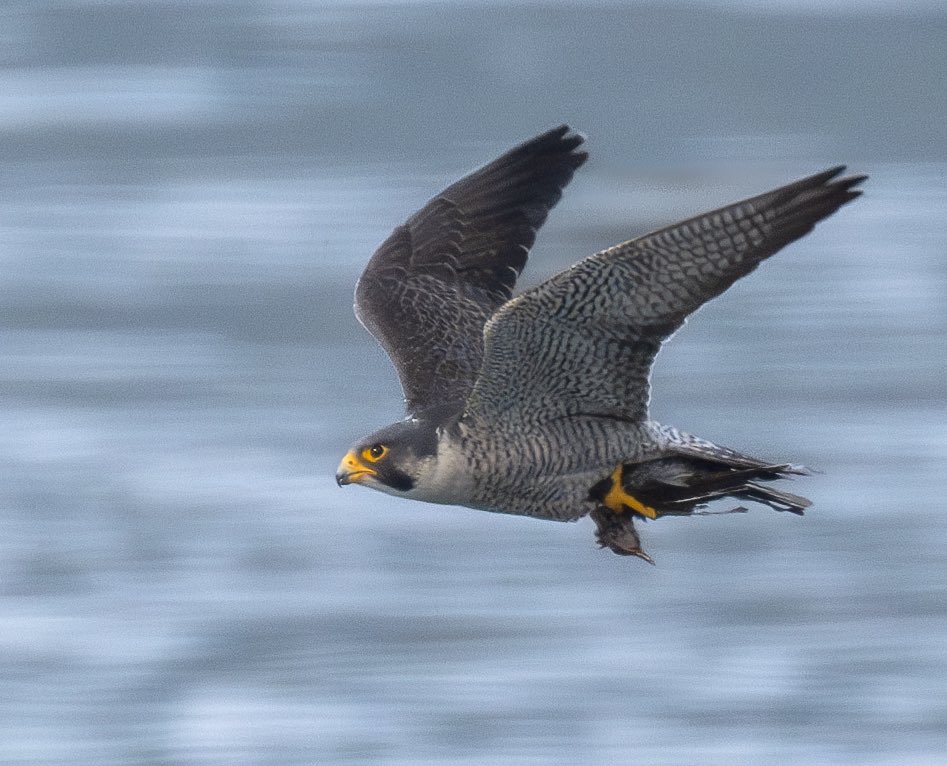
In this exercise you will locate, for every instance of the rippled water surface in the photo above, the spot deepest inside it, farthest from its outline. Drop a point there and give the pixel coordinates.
(189, 193)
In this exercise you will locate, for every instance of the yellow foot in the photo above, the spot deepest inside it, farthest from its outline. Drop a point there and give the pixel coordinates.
(620, 501)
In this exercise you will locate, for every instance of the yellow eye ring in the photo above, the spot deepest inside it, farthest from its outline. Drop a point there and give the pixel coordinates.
(374, 453)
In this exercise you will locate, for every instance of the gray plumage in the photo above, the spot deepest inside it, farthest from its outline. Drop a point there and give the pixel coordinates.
(431, 286)
(538, 405)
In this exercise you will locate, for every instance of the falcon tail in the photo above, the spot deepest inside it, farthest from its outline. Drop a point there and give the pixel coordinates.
(681, 486)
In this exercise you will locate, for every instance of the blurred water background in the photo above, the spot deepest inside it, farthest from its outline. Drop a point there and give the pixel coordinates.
(189, 191)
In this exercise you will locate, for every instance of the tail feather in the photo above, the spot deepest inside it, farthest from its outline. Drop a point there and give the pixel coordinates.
(777, 499)
(680, 486)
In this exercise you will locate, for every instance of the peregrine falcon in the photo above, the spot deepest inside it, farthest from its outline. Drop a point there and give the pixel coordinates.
(538, 405)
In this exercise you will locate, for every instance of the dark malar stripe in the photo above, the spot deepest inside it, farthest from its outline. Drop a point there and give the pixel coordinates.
(399, 481)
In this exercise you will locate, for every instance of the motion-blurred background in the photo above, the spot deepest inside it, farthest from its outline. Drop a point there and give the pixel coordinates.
(188, 191)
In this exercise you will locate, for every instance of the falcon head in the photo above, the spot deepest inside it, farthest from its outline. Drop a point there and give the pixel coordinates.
(391, 460)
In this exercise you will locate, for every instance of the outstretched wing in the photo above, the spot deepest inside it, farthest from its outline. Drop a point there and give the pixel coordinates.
(431, 286)
(583, 341)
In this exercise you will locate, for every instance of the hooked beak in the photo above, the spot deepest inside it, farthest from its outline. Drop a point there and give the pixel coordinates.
(352, 470)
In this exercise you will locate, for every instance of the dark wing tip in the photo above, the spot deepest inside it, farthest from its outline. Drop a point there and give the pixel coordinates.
(570, 140)
(506, 201)
(822, 181)
(846, 184)
(560, 144)
(801, 205)
(563, 134)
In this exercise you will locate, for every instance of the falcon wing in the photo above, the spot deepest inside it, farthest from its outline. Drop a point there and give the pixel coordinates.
(431, 286)
(582, 343)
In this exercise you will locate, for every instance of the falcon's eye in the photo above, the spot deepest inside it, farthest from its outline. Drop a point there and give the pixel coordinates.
(374, 453)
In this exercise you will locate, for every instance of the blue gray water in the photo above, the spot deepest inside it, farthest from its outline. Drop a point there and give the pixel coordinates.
(188, 194)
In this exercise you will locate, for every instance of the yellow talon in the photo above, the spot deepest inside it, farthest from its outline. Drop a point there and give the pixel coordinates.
(619, 501)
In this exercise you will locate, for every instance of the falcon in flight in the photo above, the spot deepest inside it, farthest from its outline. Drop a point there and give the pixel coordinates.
(538, 405)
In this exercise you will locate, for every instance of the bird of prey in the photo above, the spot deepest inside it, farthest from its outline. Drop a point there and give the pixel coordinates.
(538, 405)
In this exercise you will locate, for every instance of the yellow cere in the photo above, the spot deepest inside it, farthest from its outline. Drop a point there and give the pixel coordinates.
(618, 500)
